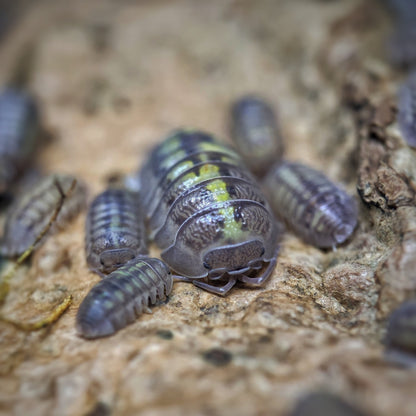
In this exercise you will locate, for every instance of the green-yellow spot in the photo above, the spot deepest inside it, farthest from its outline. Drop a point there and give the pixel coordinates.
(179, 169)
(232, 229)
(219, 189)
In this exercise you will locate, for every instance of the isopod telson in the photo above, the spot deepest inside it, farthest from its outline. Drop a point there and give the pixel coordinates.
(119, 298)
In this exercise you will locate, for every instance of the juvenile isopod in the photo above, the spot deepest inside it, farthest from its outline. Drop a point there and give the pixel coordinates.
(124, 294)
(400, 337)
(255, 133)
(310, 204)
(207, 213)
(407, 110)
(114, 230)
(19, 131)
(30, 214)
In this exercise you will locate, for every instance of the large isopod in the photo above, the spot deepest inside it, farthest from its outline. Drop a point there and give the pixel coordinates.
(207, 213)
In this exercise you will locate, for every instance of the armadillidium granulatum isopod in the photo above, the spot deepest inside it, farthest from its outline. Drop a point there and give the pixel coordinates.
(255, 133)
(207, 214)
(407, 110)
(114, 230)
(30, 214)
(19, 131)
(310, 204)
(119, 298)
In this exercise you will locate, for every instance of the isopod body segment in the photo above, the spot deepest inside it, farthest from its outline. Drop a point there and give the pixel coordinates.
(31, 212)
(119, 298)
(255, 133)
(114, 230)
(207, 213)
(19, 131)
(311, 205)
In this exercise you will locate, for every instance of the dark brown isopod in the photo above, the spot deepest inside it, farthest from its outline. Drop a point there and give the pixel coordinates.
(310, 204)
(119, 298)
(114, 230)
(30, 214)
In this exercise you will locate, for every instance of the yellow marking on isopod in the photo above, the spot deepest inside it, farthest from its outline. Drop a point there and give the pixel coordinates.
(44, 322)
(219, 190)
(179, 169)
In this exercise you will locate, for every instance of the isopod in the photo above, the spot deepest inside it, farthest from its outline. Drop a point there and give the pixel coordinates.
(255, 133)
(30, 214)
(207, 213)
(19, 131)
(324, 404)
(310, 204)
(119, 298)
(407, 110)
(400, 337)
(114, 230)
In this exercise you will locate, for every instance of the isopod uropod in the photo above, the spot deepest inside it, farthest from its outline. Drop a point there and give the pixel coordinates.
(207, 214)
(114, 230)
(119, 298)
(310, 204)
(255, 133)
(19, 130)
(30, 214)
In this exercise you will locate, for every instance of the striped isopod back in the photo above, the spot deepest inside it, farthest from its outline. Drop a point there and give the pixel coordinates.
(114, 230)
(119, 298)
(30, 214)
(400, 337)
(310, 204)
(255, 133)
(19, 130)
(407, 110)
(207, 213)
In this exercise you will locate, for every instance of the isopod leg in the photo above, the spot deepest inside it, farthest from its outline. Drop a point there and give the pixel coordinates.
(218, 290)
(44, 322)
(260, 280)
(177, 278)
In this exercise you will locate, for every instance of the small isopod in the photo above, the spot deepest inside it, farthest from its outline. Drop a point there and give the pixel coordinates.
(255, 133)
(30, 214)
(19, 131)
(400, 338)
(119, 298)
(207, 214)
(324, 404)
(114, 230)
(407, 110)
(310, 204)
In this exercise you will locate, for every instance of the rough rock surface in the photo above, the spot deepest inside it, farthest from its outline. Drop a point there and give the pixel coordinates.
(113, 78)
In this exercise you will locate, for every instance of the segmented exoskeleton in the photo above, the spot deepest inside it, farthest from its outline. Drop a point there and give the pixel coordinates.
(29, 215)
(114, 230)
(19, 130)
(207, 213)
(255, 133)
(119, 298)
(310, 204)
